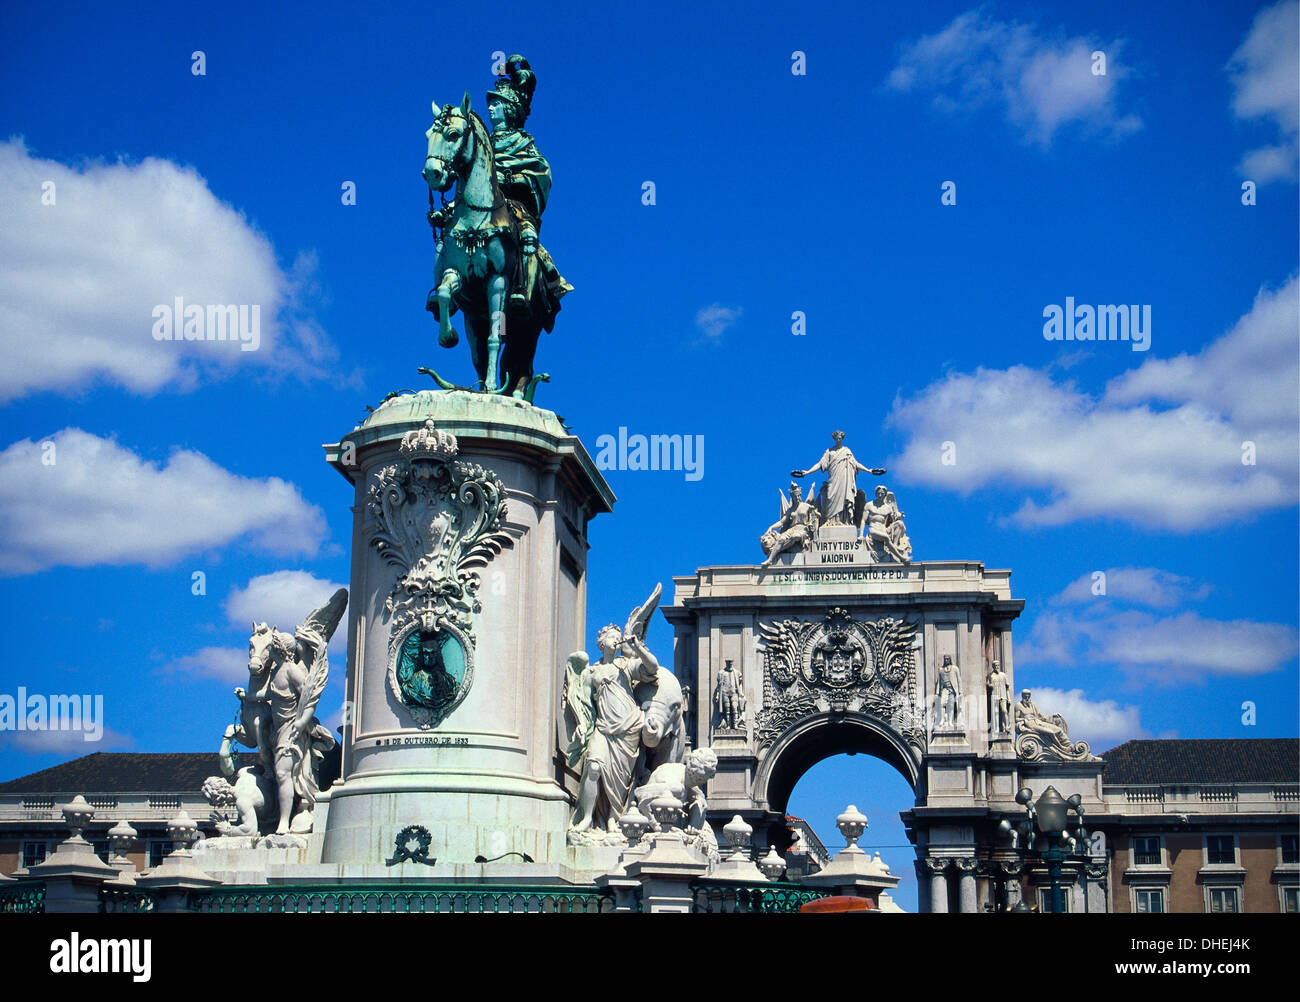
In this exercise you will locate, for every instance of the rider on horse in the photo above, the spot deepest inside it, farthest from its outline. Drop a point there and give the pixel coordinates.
(524, 177)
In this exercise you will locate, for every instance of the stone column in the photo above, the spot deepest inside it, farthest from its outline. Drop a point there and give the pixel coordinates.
(966, 886)
(1011, 870)
(938, 867)
(1097, 873)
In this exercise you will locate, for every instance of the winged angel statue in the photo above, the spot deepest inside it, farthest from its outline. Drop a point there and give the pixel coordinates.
(624, 720)
(286, 676)
(795, 529)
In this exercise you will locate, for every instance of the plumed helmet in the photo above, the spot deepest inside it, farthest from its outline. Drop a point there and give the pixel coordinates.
(516, 85)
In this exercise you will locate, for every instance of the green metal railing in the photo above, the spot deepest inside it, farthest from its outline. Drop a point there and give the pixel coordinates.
(22, 898)
(417, 899)
(768, 899)
(115, 899)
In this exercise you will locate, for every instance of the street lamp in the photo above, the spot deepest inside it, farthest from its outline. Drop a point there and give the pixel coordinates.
(1046, 833)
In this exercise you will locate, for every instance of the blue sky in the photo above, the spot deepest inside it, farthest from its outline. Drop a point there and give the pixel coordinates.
(774, 193)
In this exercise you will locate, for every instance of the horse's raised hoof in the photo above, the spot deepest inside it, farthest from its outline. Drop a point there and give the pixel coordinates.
(448, 338)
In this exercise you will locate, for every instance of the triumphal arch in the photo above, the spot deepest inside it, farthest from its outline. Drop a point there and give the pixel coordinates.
(839, 641)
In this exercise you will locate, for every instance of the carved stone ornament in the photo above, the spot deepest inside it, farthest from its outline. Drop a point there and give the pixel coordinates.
(842, 666)
(438, 520)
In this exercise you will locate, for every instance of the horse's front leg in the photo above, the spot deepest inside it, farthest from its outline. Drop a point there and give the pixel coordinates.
(448, 287)
(496, 296)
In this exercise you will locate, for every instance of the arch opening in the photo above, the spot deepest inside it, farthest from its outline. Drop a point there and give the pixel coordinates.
(820, 737)
(880, 792)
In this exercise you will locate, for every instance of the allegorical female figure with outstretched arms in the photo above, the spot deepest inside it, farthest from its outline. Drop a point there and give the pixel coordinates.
(840, 493)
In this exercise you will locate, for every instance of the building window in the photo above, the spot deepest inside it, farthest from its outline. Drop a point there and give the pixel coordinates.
(1146, 851)
(1220, 850)
(1224, 899)
(1290, 848)
(34, 853)
(1290, 898)
(158, 850)
(101, 848)
(1045, 899)
(1149, 900)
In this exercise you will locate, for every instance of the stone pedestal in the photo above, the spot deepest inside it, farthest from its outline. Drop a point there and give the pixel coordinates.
(73, 876)
(666, 874)
(485, 780)
(854, 873)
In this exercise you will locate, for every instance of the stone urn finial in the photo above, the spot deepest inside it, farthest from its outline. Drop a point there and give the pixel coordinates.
(77, 814)
(182, 830)
(633, 824)
(667, 811)
(739, 835)
(120, 838)
(852, 823)
(772, 865)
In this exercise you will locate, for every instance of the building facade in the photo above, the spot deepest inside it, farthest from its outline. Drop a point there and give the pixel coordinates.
(1202, 826)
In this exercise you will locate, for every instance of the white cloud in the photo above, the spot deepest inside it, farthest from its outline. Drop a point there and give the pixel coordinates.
(1042, 83)
(1264, 71)
(1102, 723)
(1146, 586)
(1154, 649)
(99, 503)
(65, 742)
(80, 278)
(283, 600)
(1160, 449)
(226, 664)
(714, 320)
(1249, 375)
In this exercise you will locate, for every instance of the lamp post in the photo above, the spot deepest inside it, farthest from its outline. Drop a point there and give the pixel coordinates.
(1046, 832)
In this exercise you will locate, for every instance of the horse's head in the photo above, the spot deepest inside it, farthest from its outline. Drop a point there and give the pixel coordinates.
(452, 140)
(267, 645)
(663, 712)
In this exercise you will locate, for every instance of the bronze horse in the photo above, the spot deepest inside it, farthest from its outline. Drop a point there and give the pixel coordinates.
(478, 249)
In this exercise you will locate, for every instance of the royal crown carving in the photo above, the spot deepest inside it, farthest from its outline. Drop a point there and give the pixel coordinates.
(839, 665)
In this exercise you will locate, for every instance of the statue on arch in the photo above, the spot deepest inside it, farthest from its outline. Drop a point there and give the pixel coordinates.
(882, 523)
(839, 495)
(1039, 736)
(948, 714)
(999, 700)
(794, 530)
(729, 698)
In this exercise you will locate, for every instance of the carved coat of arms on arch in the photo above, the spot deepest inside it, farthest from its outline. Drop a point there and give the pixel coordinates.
(842, 665)
(438, 520)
